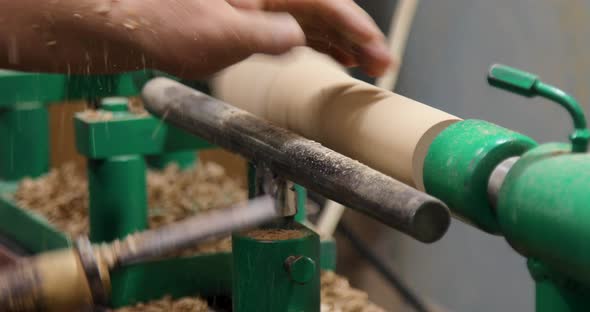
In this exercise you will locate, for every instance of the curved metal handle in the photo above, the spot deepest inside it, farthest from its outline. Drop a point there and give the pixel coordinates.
(529, 85)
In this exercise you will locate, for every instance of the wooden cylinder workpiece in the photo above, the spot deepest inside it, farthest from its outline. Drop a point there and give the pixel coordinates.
(310, 94)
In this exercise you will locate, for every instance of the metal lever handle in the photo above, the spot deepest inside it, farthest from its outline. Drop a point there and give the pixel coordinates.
(529, 85)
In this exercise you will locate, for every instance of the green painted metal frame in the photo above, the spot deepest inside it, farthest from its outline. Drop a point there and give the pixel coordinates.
(25, 140)
(25, 228)
(265, 280)
(22, 87)
(19, 87)
(24, 115)
(115, 148)
(18, 91)
(131, 134)
(206, 274)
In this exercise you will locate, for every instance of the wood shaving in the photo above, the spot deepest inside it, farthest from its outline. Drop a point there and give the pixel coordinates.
(167, 304)
(180, 193)
(275, 234)
(61, 197)
(338, 296)
(136, 106)
(96, 115)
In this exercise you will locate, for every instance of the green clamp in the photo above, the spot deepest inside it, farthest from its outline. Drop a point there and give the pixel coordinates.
(529, 85)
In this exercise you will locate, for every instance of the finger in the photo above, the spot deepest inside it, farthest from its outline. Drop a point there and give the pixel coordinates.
(346, 16)
(266, 32)
(374, 58)
(246, 4)
(333, 44)
(341, 56)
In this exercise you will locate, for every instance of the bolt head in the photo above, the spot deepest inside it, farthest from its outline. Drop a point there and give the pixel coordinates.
(301, 269)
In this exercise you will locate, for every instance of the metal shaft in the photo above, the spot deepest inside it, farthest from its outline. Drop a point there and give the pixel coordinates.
(186, 233)
(66, 279)
(298, 159)
(497, 179)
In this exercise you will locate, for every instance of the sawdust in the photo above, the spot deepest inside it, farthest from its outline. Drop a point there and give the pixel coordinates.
(61, 197)
(274, 234)
(96, 115)
(338, 296)
(167, 304)
(136, 106)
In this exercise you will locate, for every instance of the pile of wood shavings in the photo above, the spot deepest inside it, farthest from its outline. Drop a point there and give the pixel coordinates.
(274, 234)
(179, 193)
(338, 296)
(167, 304)
(61, 197)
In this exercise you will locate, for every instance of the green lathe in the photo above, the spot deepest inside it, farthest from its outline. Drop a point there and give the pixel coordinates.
(118, 143)
(500, 181)
(536, 196)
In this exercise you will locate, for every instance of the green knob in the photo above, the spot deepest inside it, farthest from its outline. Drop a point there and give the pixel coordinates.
(114, 104)
(527, 84)
(301, 269)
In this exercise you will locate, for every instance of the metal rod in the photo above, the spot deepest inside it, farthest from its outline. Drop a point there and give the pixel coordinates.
(298, 159)
(497, 179)
(180, 235)
(53, 281)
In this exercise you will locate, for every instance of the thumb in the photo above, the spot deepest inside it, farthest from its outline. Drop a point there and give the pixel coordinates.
(268, 32)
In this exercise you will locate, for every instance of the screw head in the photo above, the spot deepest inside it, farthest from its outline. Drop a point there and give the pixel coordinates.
(301, 269)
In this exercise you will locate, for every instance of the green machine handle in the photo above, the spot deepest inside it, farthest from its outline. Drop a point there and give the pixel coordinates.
(529, 85)
(535, 196)
(542, 204)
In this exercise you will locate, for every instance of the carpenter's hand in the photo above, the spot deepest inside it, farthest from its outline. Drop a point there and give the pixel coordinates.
(193, 38)
(339, 28)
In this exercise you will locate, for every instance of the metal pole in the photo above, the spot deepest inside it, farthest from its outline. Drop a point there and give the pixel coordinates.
(298, 159)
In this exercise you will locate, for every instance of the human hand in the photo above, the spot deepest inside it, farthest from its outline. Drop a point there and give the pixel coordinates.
(339, 28)
(195, 38)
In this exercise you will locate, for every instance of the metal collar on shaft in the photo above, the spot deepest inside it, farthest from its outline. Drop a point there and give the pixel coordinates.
(90, 264)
